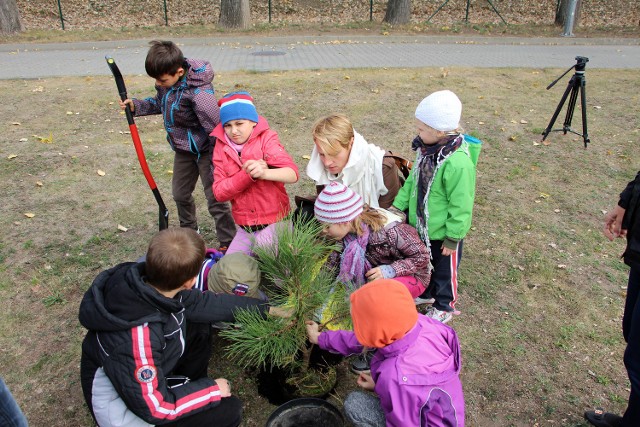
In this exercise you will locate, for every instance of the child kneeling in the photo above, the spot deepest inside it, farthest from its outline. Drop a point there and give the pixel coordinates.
(414, 373)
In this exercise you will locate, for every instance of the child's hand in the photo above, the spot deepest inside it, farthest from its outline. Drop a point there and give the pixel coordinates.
(313, 331)
(446, 251)
(255, 168)
(123, 104)
(224, 386)
(374, 274)
(366, 382)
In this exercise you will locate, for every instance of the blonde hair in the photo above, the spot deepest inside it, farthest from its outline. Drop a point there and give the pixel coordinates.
(333, 133)
(372, 217)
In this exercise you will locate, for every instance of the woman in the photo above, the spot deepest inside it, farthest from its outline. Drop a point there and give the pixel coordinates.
(341, 154)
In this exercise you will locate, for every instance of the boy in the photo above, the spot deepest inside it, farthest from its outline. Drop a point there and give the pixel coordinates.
(145, 356)
(414, 372)
(439, 196)
(186, 100)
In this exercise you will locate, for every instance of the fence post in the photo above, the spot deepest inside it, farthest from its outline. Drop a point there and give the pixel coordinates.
(60, 13)
(569, 19)
(370, 10)
(166, 20)
(269, 11)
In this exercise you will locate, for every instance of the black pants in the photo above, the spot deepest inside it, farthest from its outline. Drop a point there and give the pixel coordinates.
(444, 277)
(631, 332)
(193, 364)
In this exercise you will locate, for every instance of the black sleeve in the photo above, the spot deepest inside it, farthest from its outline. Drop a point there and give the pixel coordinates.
(207, 307)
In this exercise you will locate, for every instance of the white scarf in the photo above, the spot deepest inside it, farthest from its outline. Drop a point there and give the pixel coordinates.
(362, 173)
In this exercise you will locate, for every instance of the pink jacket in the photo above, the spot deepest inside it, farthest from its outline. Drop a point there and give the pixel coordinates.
(253, 202)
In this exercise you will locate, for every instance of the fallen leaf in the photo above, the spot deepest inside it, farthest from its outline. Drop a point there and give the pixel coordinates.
(24, 139)
(29, 214)
(101, 172)
(16, 123)
(562, 266)
(39, 183)
(513, 138)
(122, 228)
(12, 156)
(306, 157)
(524, 122)
(544, 195)
(69, 113)
(170, 171)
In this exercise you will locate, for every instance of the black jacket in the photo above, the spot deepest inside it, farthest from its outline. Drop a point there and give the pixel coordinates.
(630, 200)
(135, 338)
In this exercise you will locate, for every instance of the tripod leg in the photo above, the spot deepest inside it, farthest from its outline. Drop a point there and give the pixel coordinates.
(583, 105)
(558, 109)
(575, 85)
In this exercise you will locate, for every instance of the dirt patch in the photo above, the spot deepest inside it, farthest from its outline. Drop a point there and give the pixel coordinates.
(541, 290)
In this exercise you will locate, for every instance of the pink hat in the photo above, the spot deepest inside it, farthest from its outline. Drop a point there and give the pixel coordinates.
(337, 203)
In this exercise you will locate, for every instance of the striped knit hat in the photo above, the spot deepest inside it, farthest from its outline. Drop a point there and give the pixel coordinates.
(337, 203)
(237, 106)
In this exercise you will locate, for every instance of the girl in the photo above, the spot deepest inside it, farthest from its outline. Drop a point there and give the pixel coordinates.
(250, 169)
(375, 244)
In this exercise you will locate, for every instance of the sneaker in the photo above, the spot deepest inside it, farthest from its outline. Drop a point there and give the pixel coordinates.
(439, 315)
(423, 301)
(360, 364)
(600, 418)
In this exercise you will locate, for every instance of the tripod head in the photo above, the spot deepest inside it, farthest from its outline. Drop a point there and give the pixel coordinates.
(580, 66)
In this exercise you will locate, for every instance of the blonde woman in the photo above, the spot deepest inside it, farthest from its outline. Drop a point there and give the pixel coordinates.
(340, 154)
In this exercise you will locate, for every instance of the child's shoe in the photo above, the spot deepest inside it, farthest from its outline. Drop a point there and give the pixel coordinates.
(360, 364)
(422, 301)
(439, 315)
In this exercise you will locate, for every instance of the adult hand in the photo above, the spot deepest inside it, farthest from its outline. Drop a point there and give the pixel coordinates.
(313, 331)
(224, 386)
(255, 168)
(366, 382)
(613, 223)
(123, 104)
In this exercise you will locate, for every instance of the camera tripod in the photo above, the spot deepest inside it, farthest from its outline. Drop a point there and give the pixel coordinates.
(576, 84)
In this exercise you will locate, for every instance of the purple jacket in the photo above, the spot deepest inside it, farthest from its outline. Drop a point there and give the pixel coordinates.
(416, 376)
(189, 109)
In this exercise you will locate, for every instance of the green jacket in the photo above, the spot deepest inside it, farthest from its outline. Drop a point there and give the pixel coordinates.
(450, 203)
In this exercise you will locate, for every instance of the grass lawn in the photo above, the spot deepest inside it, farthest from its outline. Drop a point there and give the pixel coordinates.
(541, 293)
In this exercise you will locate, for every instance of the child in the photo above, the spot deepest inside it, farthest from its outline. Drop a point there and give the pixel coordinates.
(250, 169)
(439, 195)
(371, 248)
(184, 97)
(414, 373)
(145, 356)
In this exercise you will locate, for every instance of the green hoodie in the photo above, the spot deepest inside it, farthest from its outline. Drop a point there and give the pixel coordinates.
(450, 203)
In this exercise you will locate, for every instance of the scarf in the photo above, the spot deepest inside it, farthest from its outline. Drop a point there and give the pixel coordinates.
(353, 262)
(429, 158)
(362, 173)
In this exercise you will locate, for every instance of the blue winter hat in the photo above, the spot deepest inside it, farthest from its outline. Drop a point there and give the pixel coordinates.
(237, 106)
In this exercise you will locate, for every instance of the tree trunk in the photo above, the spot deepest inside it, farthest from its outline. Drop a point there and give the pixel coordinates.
(235, 14)
(398, 12)
(563, 11)
(9, 17)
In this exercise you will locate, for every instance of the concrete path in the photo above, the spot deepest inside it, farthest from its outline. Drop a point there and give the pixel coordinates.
(317, 52)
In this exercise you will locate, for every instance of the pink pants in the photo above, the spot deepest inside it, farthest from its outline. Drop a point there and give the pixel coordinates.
(244, 240)
(415, 286)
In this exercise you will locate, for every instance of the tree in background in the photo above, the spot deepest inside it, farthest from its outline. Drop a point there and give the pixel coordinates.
(563, 11)
(398, 12)
(235, 14)
(9, 17)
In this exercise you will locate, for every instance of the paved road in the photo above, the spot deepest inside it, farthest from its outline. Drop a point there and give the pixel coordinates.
(316, 52)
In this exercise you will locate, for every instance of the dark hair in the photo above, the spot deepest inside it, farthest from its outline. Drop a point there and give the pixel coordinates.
(164, 57)
(174, 256)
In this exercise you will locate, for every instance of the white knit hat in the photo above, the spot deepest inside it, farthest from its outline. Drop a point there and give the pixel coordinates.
(441, 110)
(337, 203)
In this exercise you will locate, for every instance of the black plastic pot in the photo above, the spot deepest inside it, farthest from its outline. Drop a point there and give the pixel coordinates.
(307, 412)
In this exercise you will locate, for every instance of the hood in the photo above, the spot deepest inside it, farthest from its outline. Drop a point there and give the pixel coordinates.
(119, 299)
(262, 126)
(200, 72)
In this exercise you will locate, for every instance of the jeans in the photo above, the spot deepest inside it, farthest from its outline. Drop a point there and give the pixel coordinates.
(10, 413)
